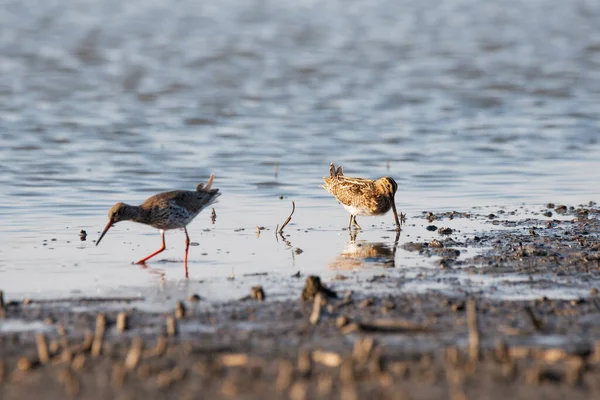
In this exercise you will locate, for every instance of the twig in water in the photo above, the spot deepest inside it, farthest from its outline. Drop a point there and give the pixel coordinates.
(42, 348)
(134, 354)
(287, 242)
(473, 331)
(2, 311)
(537, 322)
(98, 335)
(316, 311)
(287, 221)
(121, 322)
(235, 359)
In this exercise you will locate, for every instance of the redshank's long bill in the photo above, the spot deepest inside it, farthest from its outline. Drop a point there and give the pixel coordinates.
(164, 211)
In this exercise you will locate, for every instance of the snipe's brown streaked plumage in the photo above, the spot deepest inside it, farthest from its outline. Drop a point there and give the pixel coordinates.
(362, 196)
(164, 211)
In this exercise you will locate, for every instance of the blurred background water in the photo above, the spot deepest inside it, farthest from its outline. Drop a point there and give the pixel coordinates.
(464, 103)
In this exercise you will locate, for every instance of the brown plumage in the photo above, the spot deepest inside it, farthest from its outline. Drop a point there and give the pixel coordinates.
(362, 196)
(164, 211)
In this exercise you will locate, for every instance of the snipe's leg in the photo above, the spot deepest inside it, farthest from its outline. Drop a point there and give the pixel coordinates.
(353, 221)
(163, 247)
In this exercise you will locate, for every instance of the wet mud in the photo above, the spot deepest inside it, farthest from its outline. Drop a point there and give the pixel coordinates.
(460, 342)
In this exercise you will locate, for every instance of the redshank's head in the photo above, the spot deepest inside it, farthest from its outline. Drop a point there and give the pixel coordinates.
(118, 212)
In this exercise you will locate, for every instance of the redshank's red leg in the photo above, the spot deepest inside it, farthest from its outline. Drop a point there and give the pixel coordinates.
(143, 260)
(187, 246)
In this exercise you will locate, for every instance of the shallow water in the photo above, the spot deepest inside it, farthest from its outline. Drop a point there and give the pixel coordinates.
(464, 104)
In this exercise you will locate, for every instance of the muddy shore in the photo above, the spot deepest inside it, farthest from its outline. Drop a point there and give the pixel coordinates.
(457, 344)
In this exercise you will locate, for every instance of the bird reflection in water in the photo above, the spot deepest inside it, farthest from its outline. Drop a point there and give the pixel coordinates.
(159, 272)
(362, 253)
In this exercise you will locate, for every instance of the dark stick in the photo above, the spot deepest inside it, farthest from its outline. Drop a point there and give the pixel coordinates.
(287, 221)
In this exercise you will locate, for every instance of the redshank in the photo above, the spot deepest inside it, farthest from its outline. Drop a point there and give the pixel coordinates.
(362, 196)
(164, 211)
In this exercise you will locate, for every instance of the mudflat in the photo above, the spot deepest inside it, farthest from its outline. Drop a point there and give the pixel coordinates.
(434, 344)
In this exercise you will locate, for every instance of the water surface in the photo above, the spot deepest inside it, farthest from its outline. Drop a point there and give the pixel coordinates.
(465, 104)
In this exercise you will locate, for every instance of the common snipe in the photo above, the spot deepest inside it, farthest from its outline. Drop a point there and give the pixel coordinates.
(363, 197)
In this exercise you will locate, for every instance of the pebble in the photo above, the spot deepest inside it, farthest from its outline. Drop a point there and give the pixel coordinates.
(445, 231)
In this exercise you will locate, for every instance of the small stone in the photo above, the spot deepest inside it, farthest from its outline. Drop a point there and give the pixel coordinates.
(550, 205)
(436, 244)
(171, 326)
(445, 231)
(366, 303)
(575, 302)
(341, 321)
(24, 364)
(387, 306)
(561, 209)
(304, 364)
(548, 214)
(257, 293)
(194, 298)
(432, 228)
(313, 286)
(180, 310)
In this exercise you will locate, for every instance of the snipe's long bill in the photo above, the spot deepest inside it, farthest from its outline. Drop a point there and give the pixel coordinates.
(363, 197)
(164, 211)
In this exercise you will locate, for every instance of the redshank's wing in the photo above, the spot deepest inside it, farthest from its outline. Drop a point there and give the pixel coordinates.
(196, 201)
(188, 201)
